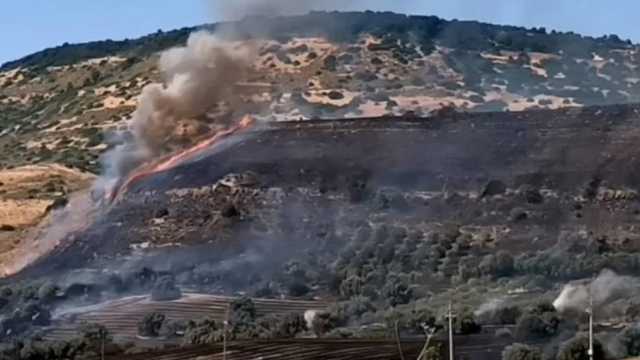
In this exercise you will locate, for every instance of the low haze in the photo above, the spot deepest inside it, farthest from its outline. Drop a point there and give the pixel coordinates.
(31, 25)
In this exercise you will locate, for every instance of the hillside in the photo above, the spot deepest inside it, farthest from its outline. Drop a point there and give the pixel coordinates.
(59, 104)
(437, 161)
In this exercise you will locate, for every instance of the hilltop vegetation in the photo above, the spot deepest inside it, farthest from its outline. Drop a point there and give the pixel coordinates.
(346, 27)
(61, 104)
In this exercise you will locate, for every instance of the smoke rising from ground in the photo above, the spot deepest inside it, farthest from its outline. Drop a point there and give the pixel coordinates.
(197, 77)
(606, 289)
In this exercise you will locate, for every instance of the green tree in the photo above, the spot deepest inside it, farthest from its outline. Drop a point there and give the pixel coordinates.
(630, 340)
(466, 324)
(521, 352)
(95, 337)
(151, 324)
(578, 349)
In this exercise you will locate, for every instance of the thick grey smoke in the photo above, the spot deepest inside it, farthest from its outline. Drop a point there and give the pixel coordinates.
(197, 77)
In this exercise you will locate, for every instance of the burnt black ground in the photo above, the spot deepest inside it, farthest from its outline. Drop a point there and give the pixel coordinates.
(563, 184)
(561, 150)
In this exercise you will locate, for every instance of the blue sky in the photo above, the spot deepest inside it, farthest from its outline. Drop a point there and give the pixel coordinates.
(27, 26)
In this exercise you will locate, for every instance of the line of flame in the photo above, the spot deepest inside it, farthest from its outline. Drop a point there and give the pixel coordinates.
(173, 160)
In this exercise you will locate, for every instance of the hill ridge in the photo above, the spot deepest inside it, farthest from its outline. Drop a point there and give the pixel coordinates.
(66, 53)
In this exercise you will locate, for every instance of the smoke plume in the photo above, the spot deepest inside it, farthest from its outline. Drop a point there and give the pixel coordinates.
(196, 78)
(606, 290)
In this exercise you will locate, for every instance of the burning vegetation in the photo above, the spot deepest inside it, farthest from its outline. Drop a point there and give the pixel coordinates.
(215, 222)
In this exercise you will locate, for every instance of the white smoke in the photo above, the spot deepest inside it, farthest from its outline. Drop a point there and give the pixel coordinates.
(309, 317)
(606, 289)
(489, 307)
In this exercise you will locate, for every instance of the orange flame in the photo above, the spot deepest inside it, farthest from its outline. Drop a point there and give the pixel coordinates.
(173, 160)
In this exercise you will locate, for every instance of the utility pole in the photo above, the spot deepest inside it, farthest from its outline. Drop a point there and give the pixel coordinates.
(224, 334)
(450, 316)
(398, 343)
(590, 312)
(102, 341)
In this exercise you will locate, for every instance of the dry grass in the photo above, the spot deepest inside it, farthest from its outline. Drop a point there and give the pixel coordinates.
(27, 194)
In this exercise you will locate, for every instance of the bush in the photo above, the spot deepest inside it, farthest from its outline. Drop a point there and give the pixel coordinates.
(410, 322)
(521, 352)
(281, 326)
(536, 326)
(466, 324)
(165, 289)
(94, 336)
(33, 313)
(500, 264)
(578, 347)
(172, 328)
(335, 95)
(92, 340)
(507, 315)
(298, 289)
(47, 292)
(242, 312)
(204, 332)
(325, 321)
(151, 324)
(501, 315)
(542, 307)
(630, 340)
(397, 291)
(330, 63)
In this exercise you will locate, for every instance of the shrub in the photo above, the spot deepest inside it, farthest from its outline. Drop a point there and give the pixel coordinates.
(630, 340)
(242, 318)
(500, 264)
(151, 324)
(204, 332)
(521, 352)
(47, 292)
(165, 289)
(330, 63)
(578, 347)
(94, 336)
(542, 307)
(298, 288)
(335, 95)
(33, 313)
(172, 328)
(410, 321)
(397, 291)
(419, 318)
(281, 326)
(325, 321)
(507, 315)
(536, 326)
(466, 324)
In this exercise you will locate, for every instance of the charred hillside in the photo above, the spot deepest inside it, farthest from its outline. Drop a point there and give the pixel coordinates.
(390, 217)
(515, 182)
